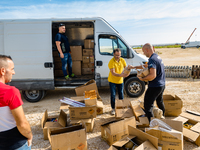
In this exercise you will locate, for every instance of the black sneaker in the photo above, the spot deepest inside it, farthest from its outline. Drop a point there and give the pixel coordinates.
(73, 76)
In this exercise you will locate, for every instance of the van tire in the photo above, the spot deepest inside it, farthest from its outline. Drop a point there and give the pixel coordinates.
(134, 87)
(33, 95)
(197, 46)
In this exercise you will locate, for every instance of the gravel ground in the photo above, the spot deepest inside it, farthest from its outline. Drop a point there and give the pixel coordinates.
(187, 89)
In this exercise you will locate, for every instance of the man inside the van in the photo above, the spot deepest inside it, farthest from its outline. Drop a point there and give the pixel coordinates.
(156, 80)
(15, 131)
(63, 47)
(115, 78)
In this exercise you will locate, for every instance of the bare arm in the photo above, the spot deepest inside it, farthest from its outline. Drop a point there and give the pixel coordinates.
(117, 74)
(151, 76)
(138, 67)
(59, 49)
(22, 123)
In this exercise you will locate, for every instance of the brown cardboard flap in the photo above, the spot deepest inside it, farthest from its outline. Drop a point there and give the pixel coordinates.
(44, 119)
(175, 124)
(142, 136)
(52, 125)
(196, 127)
(123, 113)
(78, 98)
(190, 134)
(138, 111)
(90, 102)
(62, 119)
(122, 103)
(190, 116)
(123, 141)
(168, 97)
(182, 119)
(146, 146)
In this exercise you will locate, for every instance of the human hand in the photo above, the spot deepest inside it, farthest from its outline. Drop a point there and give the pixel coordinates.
(61, 55)
(30, 142)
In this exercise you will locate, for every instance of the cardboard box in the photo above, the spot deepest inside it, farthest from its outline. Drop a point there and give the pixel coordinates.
(76, 67)
(87, 71)
(115, 130)
(138, 111)
(123, 109)
(168, 139)
(173, 105)
(90, 85)
(142, 139)
(76, 52)
(89, 123)
(86, 59)
(142, 122)
(89, 43)
(73, 138)
(190, 134)
(46, 122)
(87, 52)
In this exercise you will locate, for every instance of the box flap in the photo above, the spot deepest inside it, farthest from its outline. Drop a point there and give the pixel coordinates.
(78, 98)
(81, 120)
(190, 134)
(190, 116)
(64, 106)
(142, 136)
(146, 146)
(123, 141)
(90, 102)
(123, 112)
(177, 125)
(44, 119)
(182, 119)
(196, 127)
(122, 103)
(52, 125)
(62, 119)
(168, 97)
(138, 111)
(144, 120)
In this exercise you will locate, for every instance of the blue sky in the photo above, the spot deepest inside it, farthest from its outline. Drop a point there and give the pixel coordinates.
(138, 21)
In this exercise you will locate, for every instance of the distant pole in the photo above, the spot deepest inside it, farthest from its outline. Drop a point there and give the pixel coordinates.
(190, 36)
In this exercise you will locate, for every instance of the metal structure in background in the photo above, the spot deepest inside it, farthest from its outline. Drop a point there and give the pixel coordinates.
(190, 36)
(178, 71)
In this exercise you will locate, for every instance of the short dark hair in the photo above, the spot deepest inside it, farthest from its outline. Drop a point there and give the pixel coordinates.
(116, 50)
(4, 57)
(61, 24)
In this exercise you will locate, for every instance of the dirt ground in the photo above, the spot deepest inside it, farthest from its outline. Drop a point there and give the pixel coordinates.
(187, 89)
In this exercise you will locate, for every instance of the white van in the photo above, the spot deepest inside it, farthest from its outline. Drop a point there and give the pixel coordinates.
(31, 44)
(191, 44)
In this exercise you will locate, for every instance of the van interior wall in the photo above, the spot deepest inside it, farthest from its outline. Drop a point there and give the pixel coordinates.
(76, 32)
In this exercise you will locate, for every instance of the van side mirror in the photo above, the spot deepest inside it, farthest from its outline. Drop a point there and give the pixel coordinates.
(99, 63)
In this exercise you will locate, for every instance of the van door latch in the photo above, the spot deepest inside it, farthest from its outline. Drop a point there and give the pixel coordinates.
(99, 63)
(48, 65)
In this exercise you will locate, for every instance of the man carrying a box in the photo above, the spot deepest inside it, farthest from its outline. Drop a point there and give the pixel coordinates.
(115, 78)
(63, 47)
(15, 131)
(156, 78)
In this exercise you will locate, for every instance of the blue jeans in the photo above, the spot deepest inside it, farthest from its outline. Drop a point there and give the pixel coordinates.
(67, 60)
(25, 147)
(113, 92)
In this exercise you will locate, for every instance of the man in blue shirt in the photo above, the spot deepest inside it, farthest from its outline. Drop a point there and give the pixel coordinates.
(63, 47)
(156, 80)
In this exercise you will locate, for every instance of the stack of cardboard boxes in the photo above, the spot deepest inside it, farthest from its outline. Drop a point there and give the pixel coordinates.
(82, 59)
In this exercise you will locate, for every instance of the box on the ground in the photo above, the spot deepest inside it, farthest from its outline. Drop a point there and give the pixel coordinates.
(115, 130)
(76, 67)
(86, 59)
(89, 43)
(123, 109)
(168, 139)
(173, 105)
(47, 122)
(191, 127)
(76, 52)
(73, 138)
(89, 123)
(87, 52)
(89, 111)
(87, 71)
(90, 85)
(142, 122)
(143, 141)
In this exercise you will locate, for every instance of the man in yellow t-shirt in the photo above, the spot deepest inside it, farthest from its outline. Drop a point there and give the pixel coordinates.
(115, 78)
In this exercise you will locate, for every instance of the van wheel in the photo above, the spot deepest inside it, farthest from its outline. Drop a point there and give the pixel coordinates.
(33, 95)
(183, 47)
(197, 46)
(134, 87)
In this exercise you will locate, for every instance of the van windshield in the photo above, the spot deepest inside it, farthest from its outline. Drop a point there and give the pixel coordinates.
(107, 43)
